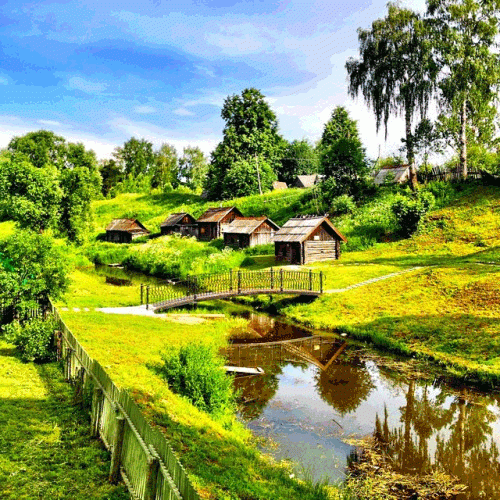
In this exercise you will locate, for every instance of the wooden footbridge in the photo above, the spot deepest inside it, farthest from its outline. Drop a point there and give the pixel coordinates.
(167, 295)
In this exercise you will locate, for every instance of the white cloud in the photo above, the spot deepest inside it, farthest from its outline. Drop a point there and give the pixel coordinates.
(144, 110)
(183, 112)
(49, 123)
(79, 83)
(4, 80)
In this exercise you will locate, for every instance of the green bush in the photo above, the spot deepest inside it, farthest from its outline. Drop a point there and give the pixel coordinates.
(343, 204)
(196, 372)
(267, 249)
(33, 339)
(410, 209)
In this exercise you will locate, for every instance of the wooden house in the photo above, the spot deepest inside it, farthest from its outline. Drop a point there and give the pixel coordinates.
(181, 223)
(210, 224)
(125, 230)
(307, 239)
(249, 231)
(392, 173)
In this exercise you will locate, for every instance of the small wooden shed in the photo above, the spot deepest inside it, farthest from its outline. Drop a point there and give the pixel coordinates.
(249, 231)
(125, 230)
(308, 239)
(210, 223)
(307, 181)
(277, 185)
(182, 223)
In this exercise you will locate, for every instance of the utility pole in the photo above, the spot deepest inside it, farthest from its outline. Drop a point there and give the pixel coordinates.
(258, 172)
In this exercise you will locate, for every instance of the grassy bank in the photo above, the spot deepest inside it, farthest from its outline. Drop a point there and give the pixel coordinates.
(45, 448)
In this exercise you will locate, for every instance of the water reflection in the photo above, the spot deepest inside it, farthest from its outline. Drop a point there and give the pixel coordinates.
(316, 392)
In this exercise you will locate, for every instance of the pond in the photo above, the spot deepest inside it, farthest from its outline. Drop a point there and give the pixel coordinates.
(318, 392)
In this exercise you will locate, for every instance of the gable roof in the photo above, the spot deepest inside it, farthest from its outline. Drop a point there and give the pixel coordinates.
(299, 229)
(174, 219)
(216, 214)
(306, 180)
(279, 185)
(400, 173)
(127, 225)
(247, 225)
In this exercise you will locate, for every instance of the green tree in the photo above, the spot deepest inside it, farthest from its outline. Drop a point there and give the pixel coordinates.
(251, 132)
(29, 195)
(193, 167)
(465, 38)
(242, 179)
(41, 148)
(136, 157)
(396, 72)
(343, 159)
(165, 170)
(299, 157)
(112, 175)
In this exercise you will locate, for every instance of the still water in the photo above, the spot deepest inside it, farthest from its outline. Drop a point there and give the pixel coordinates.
(318, 392)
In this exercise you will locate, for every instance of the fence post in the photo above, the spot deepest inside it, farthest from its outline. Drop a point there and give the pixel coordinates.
(142, 293)
(239, 281)
(58, 343)
(152, 475)
(230, 280)
(96, 410)
(321, 281)
(281, 280)
(147, 297)
(310, 280)
(69, 351)
(272, 278)
(114, 474)
(195, 286)
(80, 382)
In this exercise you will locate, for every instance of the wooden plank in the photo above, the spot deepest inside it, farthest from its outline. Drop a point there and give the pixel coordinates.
(244, 370)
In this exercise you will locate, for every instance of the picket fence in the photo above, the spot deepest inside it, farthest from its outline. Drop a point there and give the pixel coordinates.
(141, 455)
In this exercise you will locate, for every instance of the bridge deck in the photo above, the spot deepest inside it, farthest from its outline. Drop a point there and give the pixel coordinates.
(192, 299)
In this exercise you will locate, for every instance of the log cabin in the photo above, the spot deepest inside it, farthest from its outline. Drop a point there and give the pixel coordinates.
(125, 230)
(181, 223)
(210, 223)
(249, 231)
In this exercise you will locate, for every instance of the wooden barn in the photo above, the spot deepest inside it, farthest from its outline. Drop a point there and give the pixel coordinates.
(249, 231)
(125, 230)
(181, 223)
(307, 239)
(210, 223)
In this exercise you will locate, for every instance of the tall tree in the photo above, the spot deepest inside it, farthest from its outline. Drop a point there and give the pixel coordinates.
(193, 167)
(465, 34)
(111, 173)
(299, 157)
(250, 134)
(165, 170)
(396, 72)
(136, 156)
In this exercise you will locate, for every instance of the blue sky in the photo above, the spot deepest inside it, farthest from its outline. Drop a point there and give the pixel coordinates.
(101, 72)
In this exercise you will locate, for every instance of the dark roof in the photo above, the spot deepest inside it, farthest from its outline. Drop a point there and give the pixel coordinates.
(174, 219)
(127, 225)
(216, 214)
(247, 225)
(299, 228)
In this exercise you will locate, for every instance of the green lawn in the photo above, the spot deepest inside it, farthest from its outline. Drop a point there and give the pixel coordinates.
(45, 448)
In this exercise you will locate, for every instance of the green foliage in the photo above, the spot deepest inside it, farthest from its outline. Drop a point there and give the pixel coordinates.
(193, 167)
(267, 249)
(33, 338)
(41, 148)
(242, 178)
(409, 210)
(165, 169)
(343, 204)
(197, 372)
(29, 195)
(251, 130)
(111, 174)
(135, 156)
(299, 157)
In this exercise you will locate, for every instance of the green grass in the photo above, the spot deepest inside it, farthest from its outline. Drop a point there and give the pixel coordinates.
(220, 456)
(45, 449)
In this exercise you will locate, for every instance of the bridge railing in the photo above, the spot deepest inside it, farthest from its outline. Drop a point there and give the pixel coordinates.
(233, 282)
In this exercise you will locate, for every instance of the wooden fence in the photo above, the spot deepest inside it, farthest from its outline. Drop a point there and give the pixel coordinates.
(141, 455)
(453, 174)
(205, 286)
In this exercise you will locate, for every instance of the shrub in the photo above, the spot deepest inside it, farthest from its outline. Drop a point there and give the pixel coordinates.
(196, 372)
(33, 338)
(267, 249)
(343, 204)
(410, 209)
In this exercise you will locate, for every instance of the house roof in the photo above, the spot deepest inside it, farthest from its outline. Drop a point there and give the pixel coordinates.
(279, 185)
(216, 214)
(299, 229)
(174, 219)
(127, 225)
(400, 173)
(247, 225)
(307, 180)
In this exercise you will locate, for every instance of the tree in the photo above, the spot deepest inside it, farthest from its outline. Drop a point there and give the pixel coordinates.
(241, 179)
(136, 156)
(396, 72)
(343, 159)
(111, 174)
(465, 35)
(193, 167)
(251, 131)
(29, 195)
(165, 170)
(299, 157)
